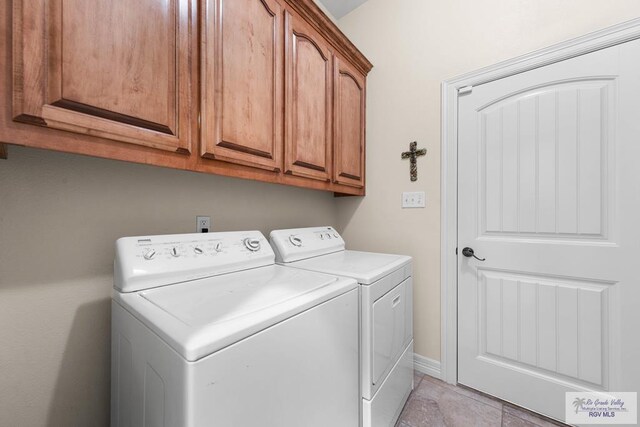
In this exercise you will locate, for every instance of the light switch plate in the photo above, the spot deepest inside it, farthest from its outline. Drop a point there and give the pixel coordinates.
(414, 199)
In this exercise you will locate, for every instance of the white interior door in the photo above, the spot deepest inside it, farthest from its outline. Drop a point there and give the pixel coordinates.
(549, 194)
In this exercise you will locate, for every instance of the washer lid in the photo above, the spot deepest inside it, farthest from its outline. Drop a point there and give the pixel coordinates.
(200, 317)
(365, 267)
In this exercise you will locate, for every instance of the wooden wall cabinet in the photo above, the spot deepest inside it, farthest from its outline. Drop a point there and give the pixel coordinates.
(110, 68)
(308, 109)
(268, 90)
(349, 125)
(242, 77)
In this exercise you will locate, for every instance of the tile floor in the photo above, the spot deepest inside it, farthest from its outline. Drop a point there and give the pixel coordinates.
(435, 403)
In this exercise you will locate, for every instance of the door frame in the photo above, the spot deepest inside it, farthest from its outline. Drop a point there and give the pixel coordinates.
(458, 86)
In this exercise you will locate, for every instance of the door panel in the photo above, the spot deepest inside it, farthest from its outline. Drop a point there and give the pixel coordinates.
(536, 186)
(349, 105)
(242, 82)
(308, 139)
(548, 195)
(114, 69)
(532, 321)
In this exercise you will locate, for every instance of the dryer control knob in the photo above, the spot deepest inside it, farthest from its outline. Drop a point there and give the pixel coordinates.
(150, 254)
(252, 244)
(218, 247)
(295, 241)
(198, 250)
(175, 252)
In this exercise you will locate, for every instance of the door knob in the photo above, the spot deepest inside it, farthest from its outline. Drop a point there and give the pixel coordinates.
(468, 252)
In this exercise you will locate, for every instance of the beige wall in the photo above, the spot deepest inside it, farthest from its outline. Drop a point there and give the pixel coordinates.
(60, 215)
(414, 45)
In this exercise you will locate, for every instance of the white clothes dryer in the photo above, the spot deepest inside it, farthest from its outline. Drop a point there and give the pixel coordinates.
(208, 331)
(386, 313)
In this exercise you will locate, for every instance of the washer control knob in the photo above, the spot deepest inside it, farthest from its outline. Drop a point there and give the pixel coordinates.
(335, 235)
(295, 241)
(149, 254)
(198, 250)
(252, 244)
(218, 247)
(328, 236)
(174, 252)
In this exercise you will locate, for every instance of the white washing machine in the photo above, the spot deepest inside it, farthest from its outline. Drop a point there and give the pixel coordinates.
(208, 331)
(386, 318)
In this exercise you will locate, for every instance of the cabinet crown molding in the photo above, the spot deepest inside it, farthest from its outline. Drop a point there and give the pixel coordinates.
(310, 11)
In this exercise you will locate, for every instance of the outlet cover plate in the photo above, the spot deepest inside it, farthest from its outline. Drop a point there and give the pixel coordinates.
(203, 223)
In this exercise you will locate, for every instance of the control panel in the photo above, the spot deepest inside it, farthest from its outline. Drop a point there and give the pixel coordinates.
(301, 243)
(150, 261)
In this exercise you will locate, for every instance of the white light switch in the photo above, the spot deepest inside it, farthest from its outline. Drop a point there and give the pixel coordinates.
(413, 199)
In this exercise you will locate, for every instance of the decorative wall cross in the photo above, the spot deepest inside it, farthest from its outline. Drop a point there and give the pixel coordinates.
(412, 155)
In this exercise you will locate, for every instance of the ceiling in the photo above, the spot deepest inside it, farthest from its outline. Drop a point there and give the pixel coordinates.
(339, 8)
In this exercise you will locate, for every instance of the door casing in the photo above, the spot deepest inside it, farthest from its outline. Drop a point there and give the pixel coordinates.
(591, 42)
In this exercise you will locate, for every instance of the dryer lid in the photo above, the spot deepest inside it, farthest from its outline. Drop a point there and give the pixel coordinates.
(200, 317)
(365, 267)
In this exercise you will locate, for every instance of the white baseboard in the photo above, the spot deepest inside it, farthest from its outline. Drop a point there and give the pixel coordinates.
(427, 366)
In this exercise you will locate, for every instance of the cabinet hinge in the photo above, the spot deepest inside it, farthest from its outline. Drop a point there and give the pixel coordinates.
(465, 90)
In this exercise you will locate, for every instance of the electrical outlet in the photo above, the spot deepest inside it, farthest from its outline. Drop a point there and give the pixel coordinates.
(203, 224)
(414, 199)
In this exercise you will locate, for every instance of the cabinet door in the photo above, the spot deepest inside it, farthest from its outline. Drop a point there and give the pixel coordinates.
(242, 66)
(308, 136)
(111, 68)
(349, 105)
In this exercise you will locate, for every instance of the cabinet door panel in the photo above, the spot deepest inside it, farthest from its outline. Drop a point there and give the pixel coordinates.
(349, 105)
(308, 136)
(110, 68)
(242, 82)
